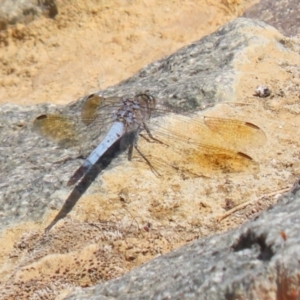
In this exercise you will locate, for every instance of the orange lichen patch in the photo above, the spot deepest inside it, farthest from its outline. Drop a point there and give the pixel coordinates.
(287, 285)
(83, 267)
(8, 239)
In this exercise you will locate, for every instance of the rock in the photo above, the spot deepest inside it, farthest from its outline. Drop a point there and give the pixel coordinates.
(259, 260)
(127, 215)
(198, 75)
(282, 14)
(24, 11)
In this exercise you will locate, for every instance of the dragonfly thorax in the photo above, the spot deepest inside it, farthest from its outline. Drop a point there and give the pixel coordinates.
(135, 111)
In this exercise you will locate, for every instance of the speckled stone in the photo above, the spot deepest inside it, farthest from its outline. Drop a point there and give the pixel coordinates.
(282, 14)
(24, 11)
(259, 260)
(34, 171)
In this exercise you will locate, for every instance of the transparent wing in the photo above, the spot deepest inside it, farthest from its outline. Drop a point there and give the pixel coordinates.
(96, 116)
(99, 109)
(187, 143)
(238, 134)
(58, 129)
(200, 145)
(224, 133)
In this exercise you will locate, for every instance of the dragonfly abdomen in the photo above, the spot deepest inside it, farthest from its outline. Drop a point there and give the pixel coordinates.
(116, 132)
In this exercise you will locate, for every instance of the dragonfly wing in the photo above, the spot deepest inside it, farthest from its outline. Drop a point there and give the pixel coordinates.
(187, 159)
(237, 134)
(183, 129)
(222, 159)
(57, 128)
(188, 145)
(69, 131)
(97, 107)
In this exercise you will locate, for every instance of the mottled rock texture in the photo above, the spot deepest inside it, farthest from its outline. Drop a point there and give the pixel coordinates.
(24, 11)
(128, 215)
(34, 171)
(282, 14)
(259, 260)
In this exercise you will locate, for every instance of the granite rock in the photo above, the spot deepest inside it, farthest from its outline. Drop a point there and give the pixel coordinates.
(259, 260)
(196, 76)
(282, 14)
(128, 216)
(24, 11)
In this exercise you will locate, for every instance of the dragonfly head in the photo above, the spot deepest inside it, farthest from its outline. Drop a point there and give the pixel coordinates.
(146, 101)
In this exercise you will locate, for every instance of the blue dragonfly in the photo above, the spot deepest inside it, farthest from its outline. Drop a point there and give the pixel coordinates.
(218, 142)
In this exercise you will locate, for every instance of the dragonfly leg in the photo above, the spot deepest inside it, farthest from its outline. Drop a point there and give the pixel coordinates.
(133, 143)
(150, 134)
(130, 150)
(147, 161)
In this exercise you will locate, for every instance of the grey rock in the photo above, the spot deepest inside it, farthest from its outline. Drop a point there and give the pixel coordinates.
(34, 171)
(259, 260)
(24, 11)
(245, 263)
(282, 14)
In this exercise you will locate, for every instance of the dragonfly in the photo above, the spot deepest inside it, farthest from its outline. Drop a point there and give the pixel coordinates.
(185, 143)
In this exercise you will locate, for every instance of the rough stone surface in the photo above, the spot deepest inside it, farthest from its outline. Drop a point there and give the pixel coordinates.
(34, 171)
(24, 11)
(259, 260)
(282, 14)
(128, 215)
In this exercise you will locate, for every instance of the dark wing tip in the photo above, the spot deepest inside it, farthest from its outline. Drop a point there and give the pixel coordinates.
(245, 155)
(42, 117)
(252, 125)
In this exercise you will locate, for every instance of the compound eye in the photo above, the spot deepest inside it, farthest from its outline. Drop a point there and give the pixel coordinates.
(146, 100)
(152, 101)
